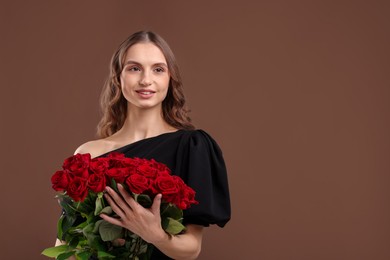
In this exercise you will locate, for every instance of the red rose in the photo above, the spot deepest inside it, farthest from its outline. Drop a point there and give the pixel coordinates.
(77, 189)
(179, 196)
(77, 165)
(116, 155)
(96, 182)
(60, 180)
(118, 160)
(161, 167)
(118, 174)
(147, 171)
(175, 191)
(137, 183)
(130, 164)
(137, 161)
(186, 198)
(163, 172)
(99, 165)
(167, 186)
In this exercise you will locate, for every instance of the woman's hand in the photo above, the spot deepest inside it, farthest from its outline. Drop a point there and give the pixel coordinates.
(147, 224)
(141, 221)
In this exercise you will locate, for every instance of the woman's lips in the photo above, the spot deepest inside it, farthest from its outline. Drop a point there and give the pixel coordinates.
(145, 93)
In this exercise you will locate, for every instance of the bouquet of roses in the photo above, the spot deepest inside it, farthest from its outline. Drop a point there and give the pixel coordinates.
(81, 183)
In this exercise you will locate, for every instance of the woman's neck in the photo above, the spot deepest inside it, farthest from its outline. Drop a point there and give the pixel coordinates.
(141, 124)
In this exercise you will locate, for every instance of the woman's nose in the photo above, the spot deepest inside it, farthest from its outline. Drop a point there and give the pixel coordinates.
(146, 79)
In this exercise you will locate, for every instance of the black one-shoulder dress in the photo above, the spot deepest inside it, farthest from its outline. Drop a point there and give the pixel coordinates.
(197, 159)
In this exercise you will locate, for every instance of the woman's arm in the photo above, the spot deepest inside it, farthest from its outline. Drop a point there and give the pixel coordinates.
(147, 224)
(184, 246)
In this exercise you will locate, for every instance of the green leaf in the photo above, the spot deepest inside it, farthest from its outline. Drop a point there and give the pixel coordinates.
(107, 210)
(74, 242)
(92, 195)
(65, 255)
(66, 203)
(95, 242)
(66, 224)
(99, 203)
(54, 251)
(170, 210)
(59, 227)
(88, 217)
(88, 229)
(143, 248)
(96, 227)
(76, 230)
(109, 232)
(114, 185)
(102, 254)
(85, 207)
(93, 239)
(84, 255)
(173, 226)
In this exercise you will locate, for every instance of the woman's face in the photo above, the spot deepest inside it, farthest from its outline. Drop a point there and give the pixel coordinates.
(145, 76)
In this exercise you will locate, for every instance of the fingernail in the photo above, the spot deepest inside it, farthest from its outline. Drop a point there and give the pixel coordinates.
(107, 189)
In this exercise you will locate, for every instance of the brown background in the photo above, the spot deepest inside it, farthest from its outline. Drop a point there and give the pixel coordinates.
(295, 92)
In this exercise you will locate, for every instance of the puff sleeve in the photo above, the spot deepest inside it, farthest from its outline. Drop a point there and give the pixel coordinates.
(204, 170)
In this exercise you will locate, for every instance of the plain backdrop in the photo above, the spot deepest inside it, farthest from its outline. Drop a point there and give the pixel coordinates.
(295, 92)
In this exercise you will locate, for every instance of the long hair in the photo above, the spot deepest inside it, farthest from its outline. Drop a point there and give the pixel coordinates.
(114, 105)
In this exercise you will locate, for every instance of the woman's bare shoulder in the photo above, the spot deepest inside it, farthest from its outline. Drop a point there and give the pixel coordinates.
(94, 147)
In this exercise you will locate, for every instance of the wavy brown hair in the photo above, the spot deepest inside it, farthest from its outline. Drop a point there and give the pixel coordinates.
(114, 105)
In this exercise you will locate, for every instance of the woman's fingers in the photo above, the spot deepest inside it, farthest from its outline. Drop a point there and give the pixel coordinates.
(118, 205)
(112, 220)
(156, 205)
(135, 206)
(146, 222)
(128, 198)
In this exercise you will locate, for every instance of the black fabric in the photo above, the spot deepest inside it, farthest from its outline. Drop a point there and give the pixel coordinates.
(197, 159)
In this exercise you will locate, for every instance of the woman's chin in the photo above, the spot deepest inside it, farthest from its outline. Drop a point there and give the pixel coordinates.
(146, 106)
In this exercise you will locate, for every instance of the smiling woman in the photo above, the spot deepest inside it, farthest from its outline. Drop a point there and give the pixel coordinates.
(145, 77)
(113, 102)
(145, 116)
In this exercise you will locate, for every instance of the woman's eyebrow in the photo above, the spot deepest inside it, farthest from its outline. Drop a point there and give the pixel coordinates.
(137, 63)
(131, 62)
(160, 64)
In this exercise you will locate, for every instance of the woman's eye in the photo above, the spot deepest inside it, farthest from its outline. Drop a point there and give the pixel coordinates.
(134, 69)
(159, 69)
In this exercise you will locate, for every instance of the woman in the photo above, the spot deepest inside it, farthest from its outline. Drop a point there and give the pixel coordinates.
(145, 115)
